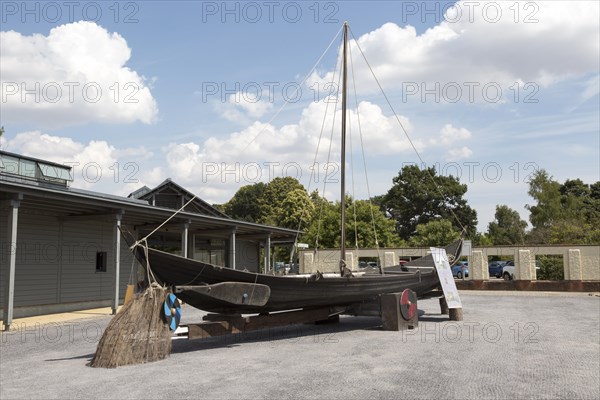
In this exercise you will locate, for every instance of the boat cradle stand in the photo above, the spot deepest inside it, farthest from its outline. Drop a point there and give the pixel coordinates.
(222, 324)
(399, 311)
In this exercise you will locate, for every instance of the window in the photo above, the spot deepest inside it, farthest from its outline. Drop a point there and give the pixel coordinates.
(210, 251)
(101, 261)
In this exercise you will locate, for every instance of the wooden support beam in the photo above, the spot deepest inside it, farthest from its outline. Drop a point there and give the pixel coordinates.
(391, 314)
(218, 325)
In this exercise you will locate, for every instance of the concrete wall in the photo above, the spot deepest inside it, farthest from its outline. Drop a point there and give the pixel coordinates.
(584, 264)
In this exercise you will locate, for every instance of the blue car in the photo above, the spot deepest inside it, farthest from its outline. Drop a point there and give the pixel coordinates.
(495, 268)
(460, 269)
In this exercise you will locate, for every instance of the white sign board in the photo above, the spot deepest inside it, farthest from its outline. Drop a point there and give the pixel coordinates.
(466, 248)
(445, 274)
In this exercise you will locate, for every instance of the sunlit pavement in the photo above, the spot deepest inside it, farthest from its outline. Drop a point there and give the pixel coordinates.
(510, 345)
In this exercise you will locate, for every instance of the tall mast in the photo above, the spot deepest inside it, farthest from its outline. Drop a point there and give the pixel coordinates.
(343, 158)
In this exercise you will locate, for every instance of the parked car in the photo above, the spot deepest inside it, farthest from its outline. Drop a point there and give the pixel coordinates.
(279, 265)
(460, 269)
(508, 271)
(495, 268)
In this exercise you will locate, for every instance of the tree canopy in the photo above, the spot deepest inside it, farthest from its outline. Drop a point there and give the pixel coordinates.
(434, 233)
(419, 196)
(244, 205)
(567, 213)
(421, 211)
(507, 227)
(361, 231)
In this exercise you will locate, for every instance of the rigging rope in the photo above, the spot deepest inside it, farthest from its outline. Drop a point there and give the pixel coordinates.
(144, 239)
(404, 130)
(329, 156)
(287, 100)
(312, 172)
(362, 146)
(353, 186)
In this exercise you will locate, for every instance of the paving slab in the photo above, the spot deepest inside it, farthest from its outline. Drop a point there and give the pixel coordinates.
(508, 346)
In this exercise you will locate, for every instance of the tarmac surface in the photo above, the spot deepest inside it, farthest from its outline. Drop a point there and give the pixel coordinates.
(510, 345)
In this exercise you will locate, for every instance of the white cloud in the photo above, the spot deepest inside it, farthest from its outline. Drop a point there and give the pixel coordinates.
(97, 165)
(592, 88)
(75, 75)
(450, 134)
(474, 51)
(458, 153)
(260, 152)
(245, 107)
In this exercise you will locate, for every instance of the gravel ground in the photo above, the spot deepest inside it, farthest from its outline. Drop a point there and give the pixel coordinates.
(508, 346)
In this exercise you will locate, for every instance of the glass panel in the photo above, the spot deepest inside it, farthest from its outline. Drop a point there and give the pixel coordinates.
(27, 168)
(206, 251)
(54, 171)
(217, 257)
(202, 255)
(10, 165)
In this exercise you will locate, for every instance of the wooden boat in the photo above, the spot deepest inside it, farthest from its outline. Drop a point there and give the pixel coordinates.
(227, 291)
(224, 290)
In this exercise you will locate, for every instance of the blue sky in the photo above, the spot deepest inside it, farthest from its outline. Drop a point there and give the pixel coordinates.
(442, 66)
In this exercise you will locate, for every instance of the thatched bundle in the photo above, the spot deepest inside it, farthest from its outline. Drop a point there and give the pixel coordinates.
(137, 334)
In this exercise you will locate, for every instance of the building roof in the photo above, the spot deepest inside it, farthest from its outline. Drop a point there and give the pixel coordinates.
(72, 203)
(196, 205)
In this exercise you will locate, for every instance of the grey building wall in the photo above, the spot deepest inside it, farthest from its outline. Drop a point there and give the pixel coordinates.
(56, 263)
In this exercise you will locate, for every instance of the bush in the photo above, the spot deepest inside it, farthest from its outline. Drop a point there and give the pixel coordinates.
(551, 268)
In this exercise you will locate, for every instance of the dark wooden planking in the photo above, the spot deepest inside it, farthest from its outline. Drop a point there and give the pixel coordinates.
(235, 293)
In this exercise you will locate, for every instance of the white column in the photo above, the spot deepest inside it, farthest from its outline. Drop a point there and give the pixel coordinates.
(573, 271)
(268, 254)
(232, 250)
(389, 259)
(184, 240)
(117, 244)
(523, 265)
(9, 300)
(307, 263)
(478, 266)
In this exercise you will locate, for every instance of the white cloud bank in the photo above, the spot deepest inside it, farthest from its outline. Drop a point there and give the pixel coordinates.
(75, 75)
(96, 165)
(538, 42)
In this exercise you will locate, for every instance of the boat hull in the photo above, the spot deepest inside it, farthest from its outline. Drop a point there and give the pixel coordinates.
(287, 292)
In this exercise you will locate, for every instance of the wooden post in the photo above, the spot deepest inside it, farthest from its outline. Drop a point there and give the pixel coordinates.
(391, 315)
(443, 306)
(456, 314)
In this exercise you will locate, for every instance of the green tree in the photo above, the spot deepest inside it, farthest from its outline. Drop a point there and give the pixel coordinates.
(360, 231)
(295, 210)
(547, 194)
(244, 205)
(482, 239)
(567, 213)
(507, 227)
(419, 196)
(434, 233)
(273, 196)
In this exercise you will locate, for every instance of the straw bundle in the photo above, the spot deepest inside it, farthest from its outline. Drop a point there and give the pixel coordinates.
(137, 334)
